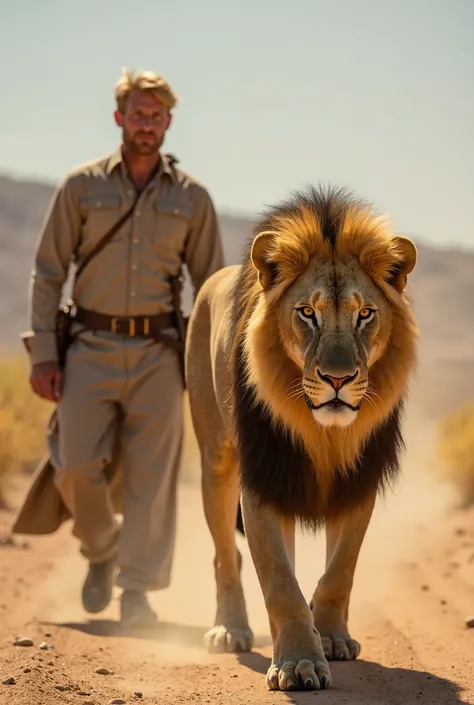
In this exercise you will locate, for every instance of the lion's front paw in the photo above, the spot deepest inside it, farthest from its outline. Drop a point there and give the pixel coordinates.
(304, 674)
(221, 639)
(298, 662)
(332, 626)
(340, 648)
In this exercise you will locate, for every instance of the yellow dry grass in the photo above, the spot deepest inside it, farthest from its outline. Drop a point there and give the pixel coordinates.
(22, 421)
(456, 452)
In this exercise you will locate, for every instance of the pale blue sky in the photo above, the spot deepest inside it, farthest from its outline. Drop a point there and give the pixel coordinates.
(377, 95)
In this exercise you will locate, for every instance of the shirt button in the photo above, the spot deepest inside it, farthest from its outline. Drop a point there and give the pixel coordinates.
(138, 212)
(133, 293)
(134, 266)
(135, 240)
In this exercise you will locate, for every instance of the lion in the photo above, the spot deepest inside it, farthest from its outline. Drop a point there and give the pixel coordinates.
(298, 363)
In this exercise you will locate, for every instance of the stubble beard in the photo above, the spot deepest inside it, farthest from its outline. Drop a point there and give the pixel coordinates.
(141, 149)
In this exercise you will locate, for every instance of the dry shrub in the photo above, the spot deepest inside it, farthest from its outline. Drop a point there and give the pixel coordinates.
(22, 421)
(456, 452)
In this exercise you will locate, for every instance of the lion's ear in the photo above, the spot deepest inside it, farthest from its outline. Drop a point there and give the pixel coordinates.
(267, 269)
(400, 272)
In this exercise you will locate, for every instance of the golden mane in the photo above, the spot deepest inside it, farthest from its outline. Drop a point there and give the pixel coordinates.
(329, 225)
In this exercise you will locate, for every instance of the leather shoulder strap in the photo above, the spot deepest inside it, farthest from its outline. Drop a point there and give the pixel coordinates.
(105, 239)
(114, 229)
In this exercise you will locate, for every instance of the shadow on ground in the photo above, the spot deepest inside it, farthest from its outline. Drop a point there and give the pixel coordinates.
(367, 683)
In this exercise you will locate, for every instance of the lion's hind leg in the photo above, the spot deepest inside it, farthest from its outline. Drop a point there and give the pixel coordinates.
(330, 602)
(220, 488)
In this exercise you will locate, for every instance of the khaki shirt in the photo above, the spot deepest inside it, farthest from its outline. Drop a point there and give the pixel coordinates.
(174, 222)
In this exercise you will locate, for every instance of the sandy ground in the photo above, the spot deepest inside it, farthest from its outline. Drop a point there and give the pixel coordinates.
(414, 589)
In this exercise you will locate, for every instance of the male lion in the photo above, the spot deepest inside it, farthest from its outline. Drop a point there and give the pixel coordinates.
(298, 363)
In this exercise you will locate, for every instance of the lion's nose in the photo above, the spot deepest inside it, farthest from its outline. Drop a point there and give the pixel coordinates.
(338, 382)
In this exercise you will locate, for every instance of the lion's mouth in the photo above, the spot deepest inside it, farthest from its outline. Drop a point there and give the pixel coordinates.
(334, 405)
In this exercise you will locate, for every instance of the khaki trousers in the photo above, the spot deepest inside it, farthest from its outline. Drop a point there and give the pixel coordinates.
(133, 388)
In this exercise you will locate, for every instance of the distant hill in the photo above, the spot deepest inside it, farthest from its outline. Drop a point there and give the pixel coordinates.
(442, 287)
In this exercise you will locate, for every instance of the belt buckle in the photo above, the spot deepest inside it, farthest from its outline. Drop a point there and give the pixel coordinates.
(130, 321)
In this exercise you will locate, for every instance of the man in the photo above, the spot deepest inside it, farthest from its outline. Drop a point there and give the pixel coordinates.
(119, 383)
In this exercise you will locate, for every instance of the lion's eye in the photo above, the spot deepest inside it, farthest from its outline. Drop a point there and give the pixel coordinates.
(307, 311)
(307, 314)
(366, 314)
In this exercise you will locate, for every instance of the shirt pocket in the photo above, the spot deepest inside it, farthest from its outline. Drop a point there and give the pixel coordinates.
(99, 213)
(172, 223)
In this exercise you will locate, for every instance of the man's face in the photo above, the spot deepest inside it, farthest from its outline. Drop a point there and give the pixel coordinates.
(144, 123)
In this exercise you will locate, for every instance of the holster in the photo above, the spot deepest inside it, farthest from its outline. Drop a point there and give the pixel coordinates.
(181, 320)
(64, 320)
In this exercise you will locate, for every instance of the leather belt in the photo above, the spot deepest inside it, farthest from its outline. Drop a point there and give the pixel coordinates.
(131, 326)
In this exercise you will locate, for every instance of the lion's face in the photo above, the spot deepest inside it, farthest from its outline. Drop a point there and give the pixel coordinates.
(335, 323)
(330, 323)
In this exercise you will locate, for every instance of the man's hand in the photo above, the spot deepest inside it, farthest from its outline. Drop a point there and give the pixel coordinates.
(46, 380)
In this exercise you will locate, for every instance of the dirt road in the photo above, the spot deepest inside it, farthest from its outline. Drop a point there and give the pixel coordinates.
(414, 589)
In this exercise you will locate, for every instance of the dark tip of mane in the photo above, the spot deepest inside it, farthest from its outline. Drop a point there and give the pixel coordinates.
(329, 204)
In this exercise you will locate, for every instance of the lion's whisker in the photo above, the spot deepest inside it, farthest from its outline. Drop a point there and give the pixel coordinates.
(371, 401)
(294, 395)
(372, 392)
(293, 385)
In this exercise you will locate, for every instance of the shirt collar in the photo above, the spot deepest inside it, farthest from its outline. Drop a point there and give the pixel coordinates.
(167, 162)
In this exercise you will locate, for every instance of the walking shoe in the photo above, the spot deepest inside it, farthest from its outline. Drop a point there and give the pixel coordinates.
(98, 585)
(135, 611)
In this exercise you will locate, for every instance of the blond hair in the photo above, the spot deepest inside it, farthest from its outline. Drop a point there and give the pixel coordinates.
(148, 81)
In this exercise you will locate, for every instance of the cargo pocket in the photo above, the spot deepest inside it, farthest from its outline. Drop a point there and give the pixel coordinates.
(99, 214)
(172, 223)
